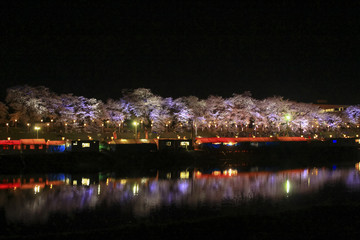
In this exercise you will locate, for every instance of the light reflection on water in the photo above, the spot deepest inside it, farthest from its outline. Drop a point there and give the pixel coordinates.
(142, 195)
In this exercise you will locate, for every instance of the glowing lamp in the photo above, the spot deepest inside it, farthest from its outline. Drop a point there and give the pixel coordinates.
(287, 186)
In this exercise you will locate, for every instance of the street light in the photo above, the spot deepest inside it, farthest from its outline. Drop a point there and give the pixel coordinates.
(288, 118)
(37, 132)
(135, 124)
(28, 124)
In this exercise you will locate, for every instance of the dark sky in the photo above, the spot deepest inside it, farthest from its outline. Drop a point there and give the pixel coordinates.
(302, 52)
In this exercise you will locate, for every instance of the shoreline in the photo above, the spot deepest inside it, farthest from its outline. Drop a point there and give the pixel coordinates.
(135, 163)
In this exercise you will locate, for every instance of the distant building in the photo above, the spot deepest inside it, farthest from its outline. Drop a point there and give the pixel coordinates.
(132, 145)
(55, 146)
(331, 107)
(33, 145)
(85, 146)
(173, 144)
(10, 146)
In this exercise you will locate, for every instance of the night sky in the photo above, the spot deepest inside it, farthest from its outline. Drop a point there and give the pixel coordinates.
(302, 52)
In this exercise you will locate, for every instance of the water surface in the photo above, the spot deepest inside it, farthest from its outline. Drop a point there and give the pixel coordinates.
(37, 199)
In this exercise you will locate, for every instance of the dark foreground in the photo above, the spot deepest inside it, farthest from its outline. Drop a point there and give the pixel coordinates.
(332, 212)
(317, 216)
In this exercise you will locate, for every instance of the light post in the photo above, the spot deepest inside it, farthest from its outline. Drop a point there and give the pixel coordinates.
(135, 124)
(7, 127)
(37, 132)
(28, 125)
(15, 123)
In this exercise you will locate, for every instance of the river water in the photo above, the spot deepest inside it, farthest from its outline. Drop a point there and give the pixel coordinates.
(28, 201)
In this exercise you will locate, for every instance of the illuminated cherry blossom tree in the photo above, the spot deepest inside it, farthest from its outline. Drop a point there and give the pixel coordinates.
(30, 103)
(161, 117)
(353, 114)
(195, 112)
(182, 114)
(141, 103)
(215, 113)
(237, 114)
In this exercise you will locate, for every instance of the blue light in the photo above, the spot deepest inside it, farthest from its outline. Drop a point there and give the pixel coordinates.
(334, 141)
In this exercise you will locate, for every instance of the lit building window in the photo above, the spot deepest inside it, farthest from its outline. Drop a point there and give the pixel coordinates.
(185, 143)
(85, 181)
(85, 145)
(184, 175)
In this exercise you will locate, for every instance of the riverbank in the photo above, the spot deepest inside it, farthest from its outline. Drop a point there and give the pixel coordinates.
(147, 164)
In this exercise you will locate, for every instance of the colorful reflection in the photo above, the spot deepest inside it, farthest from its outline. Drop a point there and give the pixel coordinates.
(36, 201)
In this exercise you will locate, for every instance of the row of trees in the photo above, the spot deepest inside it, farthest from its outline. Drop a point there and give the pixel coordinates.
(27, 104)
